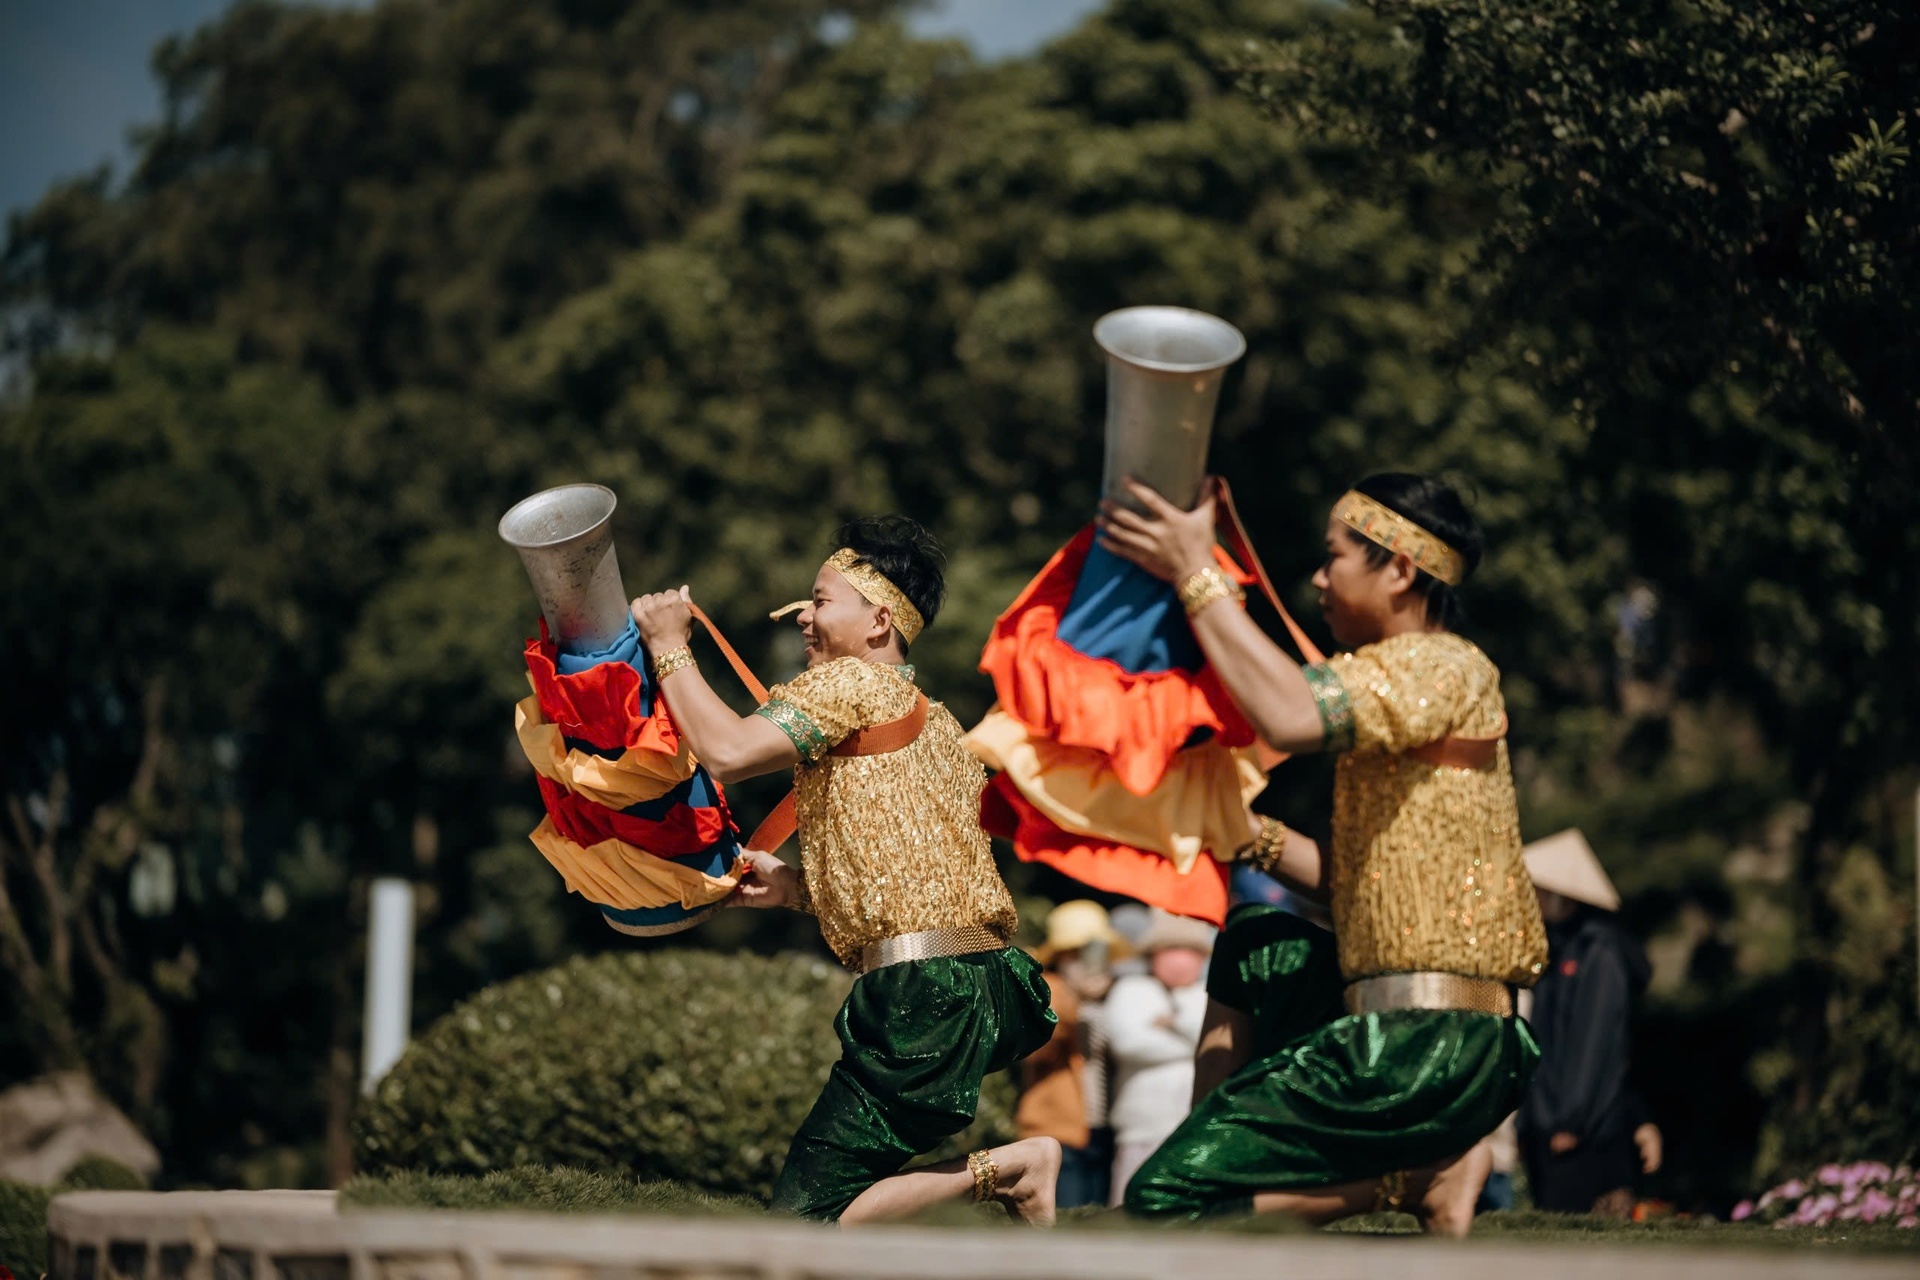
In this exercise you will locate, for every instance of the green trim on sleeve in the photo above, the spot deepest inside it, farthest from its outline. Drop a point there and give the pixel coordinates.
(1336, 708)
(808, 738)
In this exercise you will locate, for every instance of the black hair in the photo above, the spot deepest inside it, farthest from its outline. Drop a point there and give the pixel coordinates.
(903, 552)
(1437, 507)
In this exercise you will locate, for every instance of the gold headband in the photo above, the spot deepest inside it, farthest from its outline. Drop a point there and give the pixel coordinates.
(875, 589)
(1382, 524)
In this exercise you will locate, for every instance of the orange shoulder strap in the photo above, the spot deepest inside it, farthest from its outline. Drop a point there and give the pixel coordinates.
(874, 740)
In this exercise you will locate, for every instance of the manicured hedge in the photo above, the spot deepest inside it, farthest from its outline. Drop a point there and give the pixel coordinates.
(23, 1210)
(692, 1066)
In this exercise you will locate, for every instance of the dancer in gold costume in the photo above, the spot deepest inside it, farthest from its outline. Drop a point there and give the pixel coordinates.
(900, 876)
(1347, 1073)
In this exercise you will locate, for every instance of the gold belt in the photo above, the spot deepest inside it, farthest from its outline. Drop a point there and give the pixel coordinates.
(927, 944)
(1429, 991)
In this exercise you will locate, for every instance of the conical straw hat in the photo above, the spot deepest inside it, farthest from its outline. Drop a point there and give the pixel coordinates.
(1564, 864)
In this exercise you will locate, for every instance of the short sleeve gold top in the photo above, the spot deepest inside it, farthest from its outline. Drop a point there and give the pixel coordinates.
(1426, 867)
(889, 843)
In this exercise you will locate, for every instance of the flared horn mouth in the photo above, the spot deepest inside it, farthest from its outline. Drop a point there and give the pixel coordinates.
(555, 516)
(565, 538)
(1169, 339)
(1164, 370)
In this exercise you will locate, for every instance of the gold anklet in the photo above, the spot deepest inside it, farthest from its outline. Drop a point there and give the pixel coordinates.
(1391, 1191)
(986, 1175)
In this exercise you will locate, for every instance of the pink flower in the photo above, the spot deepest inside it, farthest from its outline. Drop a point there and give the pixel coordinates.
(1908, 1223)
(1744, 1210)
(1830, 1175)
(1792, 1190)
(1876, 1206)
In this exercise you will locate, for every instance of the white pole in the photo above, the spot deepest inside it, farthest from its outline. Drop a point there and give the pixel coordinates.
(389, 978)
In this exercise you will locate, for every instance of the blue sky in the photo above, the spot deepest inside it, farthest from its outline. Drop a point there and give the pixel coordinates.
(74, 77)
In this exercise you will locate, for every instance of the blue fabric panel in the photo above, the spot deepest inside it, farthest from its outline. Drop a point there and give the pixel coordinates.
(1126, 615)
(697, 791)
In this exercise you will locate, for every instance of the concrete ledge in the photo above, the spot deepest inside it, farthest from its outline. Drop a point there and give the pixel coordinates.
(300, 1235)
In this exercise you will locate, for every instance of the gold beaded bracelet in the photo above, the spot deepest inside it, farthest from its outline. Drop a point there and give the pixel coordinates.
(1206, 586)
(1263, 854)
(671, 661)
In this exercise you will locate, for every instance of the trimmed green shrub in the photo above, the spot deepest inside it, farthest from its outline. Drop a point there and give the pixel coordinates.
(690, 1066)
(23, 1227)
(98, 1173)
(23, 1210)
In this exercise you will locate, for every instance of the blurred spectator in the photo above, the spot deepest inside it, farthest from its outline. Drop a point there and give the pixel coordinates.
(1153, 1027)
(1056, 1083)
(1131, 920)
(1584, 1134)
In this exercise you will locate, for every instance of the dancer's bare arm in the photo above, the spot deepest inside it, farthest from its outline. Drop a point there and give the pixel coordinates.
(1266, 684)
(1301, 866)
(1226, 1042)
(730, 745)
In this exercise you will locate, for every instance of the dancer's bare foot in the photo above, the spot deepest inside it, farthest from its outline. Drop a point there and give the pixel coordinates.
(1029, 1171)
(1452, 1190)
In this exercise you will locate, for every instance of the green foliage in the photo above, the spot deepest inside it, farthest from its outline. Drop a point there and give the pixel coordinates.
(377, 193)
(99, 1173)
(23, 1227)
(23, 1209)
(695, 1067)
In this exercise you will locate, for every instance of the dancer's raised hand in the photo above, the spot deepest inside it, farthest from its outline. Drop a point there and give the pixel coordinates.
(1167, 542)
(664, 620)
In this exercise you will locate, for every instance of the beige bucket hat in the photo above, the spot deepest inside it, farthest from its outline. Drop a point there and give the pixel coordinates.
(1075, 925)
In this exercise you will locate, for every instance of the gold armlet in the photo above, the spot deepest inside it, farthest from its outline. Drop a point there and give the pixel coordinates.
(1205, 587)
(671, 661)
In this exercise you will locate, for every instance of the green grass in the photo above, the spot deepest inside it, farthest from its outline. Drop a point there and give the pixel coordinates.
(558, 1190)
(538, 1188)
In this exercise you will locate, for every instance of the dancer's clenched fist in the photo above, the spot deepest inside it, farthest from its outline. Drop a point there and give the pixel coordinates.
(664, 620)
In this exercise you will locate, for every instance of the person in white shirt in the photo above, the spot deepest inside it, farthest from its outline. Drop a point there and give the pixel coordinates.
(1152, 1024)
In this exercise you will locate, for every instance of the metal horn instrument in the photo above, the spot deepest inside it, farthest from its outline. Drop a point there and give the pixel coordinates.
(565, 538)
(1164, 369)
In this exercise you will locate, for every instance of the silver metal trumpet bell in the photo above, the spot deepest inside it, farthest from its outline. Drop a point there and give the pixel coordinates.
(1164, 368)
(565, 538)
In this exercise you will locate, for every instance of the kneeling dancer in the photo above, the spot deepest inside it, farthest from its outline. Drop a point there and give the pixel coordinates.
(901, 877)
(1312, 1099)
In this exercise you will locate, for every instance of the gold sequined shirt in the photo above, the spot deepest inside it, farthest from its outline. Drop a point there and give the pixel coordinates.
(889, 843)
(1426, 872)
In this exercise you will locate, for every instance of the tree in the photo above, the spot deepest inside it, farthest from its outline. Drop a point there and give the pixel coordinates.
(377, 194)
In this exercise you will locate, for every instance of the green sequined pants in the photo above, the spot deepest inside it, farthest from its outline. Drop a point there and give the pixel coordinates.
(916, 1040)
(1339, 1100)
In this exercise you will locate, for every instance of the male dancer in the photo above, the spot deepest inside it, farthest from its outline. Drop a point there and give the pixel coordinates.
(1316, 1113)
(902, 879)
